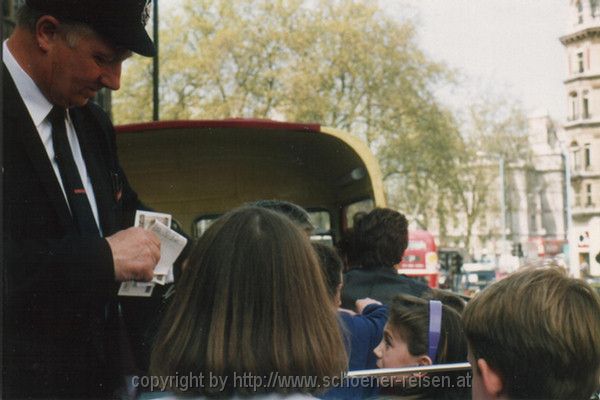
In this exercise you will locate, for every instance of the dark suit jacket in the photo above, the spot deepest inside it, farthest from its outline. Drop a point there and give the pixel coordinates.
(378, 283)
(60, 325)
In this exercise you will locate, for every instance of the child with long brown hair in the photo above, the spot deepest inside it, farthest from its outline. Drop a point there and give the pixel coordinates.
(250, 304)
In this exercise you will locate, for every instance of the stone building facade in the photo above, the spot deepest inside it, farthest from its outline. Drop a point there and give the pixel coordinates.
(582, 44)
(535, 199)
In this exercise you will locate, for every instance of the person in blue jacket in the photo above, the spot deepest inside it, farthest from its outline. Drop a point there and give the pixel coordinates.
(362, 330)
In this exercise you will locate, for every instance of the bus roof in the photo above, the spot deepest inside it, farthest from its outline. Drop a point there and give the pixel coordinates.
(219, 123)
(199, 167)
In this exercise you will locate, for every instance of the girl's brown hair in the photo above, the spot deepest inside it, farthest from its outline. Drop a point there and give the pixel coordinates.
(409, 318)
(252, 300)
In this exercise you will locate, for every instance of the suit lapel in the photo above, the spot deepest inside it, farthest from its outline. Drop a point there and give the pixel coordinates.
(88, 135)
(19, 125)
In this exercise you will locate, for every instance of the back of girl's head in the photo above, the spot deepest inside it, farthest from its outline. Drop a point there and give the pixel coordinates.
(447, 298)
(251, 300)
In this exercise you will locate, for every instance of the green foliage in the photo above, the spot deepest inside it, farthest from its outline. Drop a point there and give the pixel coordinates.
(340, 63)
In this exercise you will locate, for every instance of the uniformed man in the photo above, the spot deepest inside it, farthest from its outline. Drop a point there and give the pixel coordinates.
(67, 204)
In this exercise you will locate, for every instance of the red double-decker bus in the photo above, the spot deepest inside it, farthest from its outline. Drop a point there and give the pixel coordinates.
(420, 258)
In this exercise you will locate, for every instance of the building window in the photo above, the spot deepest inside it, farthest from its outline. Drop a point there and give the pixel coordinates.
(594, 7)
(587, 161)
(580, 62)
(588, 193)
(576, 163)
(579, 12)
(585, 112)
(574, 106)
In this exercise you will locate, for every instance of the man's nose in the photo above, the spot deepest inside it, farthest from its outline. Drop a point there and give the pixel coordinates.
(111, 76)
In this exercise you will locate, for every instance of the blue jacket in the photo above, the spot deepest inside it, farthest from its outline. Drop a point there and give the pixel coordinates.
(362, 333)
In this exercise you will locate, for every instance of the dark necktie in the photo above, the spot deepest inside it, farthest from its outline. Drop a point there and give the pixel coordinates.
(78, 200)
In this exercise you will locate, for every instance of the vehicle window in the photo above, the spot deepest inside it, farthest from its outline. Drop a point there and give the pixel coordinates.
(416, 245)
(363, 206)
(321, 221)
(202, 224)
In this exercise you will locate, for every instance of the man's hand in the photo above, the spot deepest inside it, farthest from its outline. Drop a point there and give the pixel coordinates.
(361, 304)
(135, 254)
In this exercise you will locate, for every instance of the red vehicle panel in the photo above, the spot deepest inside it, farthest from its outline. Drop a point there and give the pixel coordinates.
(420, 258)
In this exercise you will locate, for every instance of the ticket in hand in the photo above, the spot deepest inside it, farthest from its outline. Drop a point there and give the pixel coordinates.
(145, 219)
(171, 246)
(136, 289)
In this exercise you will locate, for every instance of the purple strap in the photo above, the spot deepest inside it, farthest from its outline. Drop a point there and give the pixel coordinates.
(435, 327)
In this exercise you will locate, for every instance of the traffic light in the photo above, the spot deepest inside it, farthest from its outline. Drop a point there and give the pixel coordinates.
(456, 262)
(517, 250)
(450, 260)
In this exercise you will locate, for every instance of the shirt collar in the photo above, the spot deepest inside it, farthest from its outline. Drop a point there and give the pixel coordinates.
(35, 101)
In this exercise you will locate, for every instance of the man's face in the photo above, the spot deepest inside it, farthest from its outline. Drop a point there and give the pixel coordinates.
(79, 70)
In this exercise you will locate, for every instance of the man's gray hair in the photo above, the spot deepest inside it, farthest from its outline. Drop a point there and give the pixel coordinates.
(27, 17)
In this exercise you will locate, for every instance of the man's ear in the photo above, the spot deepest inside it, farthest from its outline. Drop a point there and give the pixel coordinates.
(492, 381)
(46, 29)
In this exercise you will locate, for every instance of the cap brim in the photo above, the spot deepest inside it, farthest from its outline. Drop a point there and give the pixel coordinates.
(142, 44)
(136, 40)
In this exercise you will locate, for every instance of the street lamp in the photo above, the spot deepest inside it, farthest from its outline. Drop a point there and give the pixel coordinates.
(502, 200)
(570, 256)
(500, 159)
(155, 65)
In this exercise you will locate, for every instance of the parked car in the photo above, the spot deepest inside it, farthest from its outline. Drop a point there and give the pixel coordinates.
(476, 276)
(595, 283)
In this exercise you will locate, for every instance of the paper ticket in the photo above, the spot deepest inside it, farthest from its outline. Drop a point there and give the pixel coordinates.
(145, 219)
(171, 246)
(136, 289)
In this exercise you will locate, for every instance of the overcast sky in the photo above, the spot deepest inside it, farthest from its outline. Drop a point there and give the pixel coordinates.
(511, 44)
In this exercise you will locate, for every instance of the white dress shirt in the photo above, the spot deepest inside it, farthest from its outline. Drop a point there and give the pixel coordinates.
(39, 107)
